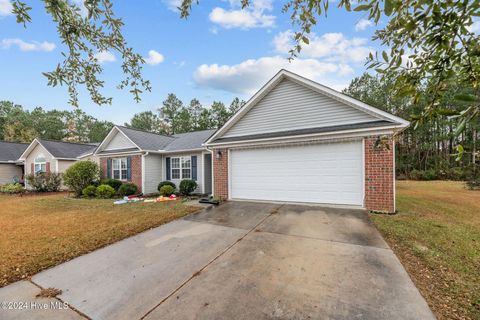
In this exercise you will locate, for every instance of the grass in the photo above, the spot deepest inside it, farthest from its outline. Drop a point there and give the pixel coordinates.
(39, 232)
(436, 235)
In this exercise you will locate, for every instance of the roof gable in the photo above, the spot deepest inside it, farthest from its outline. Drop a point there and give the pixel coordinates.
(290, 103)
(292, 106)
(60, 149)
(146, 140)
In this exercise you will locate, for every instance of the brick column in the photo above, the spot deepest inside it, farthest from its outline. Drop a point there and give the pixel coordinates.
(220, 173)
(103, 167)
(379, 175)
(136, 167)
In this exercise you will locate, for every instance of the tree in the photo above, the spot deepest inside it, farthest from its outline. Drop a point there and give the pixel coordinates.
(235, 106)
(183, 121)
(219, 114)
(147, 121)
(98, 130)
(205, 121)
(85, 36)
(49, 124)
(169, 112)
(195, 109)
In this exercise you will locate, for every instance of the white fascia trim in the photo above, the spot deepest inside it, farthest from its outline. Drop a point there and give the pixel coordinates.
(119, 154)
(69, 159)
(29, 149)
(108, 138)
(324, 135)
(184, 150)
(313, 85)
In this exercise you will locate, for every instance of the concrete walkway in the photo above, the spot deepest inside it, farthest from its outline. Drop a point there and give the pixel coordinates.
(237, 261)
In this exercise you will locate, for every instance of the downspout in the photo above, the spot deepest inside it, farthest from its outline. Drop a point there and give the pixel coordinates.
(143, 171)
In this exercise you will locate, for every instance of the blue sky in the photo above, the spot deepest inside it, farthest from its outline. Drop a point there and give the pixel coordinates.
(219, 53)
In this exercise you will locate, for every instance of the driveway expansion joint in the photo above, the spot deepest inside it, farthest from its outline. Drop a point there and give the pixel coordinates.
(197, 273)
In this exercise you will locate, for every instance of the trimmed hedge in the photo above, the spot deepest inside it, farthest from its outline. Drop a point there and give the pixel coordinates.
(167, 190)
(187, 186)
(127, 189)
(104, 191)
(166, 183)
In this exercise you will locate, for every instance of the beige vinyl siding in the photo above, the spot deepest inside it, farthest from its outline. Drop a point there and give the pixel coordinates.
(63, 165)
(119, 141)
(291, 106)
(38, 150)
(8, 171)
(153, 172)
(199, 170)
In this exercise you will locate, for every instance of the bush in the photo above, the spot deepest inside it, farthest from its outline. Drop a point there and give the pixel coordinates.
(12, 188)
(167, 190)
(104, 191)
(187, 186)
(81, 175)
(127, 189)
(89, 191)
(166, 183)
(45, 181)
(430, 174)
(114, 183)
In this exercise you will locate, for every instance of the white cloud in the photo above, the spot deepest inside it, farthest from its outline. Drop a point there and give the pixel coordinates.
(247, 76)
(474, 27)
(173, 4)
(329, 46)
(253, 16)
(28, 46)
(363, 24)
(5, 8)
(105, 56)
(154, 58)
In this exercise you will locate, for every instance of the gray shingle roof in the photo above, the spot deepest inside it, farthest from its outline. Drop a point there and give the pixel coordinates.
(190, 140)
(62, 149)
(11, 151)
(146, 140)
(152, 141)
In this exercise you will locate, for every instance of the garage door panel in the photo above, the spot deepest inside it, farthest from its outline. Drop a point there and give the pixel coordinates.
(322, 173)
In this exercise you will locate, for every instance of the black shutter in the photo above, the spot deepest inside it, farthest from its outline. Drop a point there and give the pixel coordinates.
(167, 161)
(194, 168)
(129, 168)
(109, 168)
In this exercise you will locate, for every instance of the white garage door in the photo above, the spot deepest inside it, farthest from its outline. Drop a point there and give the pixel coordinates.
(322, 173)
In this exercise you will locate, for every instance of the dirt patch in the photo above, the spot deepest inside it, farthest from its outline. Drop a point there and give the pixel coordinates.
(49, 293)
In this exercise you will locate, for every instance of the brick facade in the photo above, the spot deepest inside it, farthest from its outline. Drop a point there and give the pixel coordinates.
(379, 176)
(136, 167)
(220, 173)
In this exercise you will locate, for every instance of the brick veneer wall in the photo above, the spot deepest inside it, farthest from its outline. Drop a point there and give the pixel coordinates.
(136, 167)
(379, 176)
(220, 174)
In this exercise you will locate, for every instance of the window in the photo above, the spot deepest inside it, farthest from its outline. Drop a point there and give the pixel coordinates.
(119, 169)
(181, 168)
(40, 164)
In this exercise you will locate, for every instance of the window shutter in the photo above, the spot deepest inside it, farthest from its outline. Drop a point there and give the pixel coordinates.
(167, 165)
(32, 167)
(47, 167)
(109, 168)
(194, 168)
(129, 168)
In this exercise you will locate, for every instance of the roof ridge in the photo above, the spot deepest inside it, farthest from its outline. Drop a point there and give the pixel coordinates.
(12, 142)
(144, 131)
(76, 143)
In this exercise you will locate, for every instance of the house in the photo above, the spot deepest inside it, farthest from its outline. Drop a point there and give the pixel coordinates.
(296, 140)
(44, 155)
(11, 169)
(146, 158)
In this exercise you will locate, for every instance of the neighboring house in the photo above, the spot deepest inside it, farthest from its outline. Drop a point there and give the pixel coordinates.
(298, 141)
(146, 159)
(11, 169)
(54, 156)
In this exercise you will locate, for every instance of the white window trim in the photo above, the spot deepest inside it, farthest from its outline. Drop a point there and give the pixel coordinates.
(181, 167)
(40, 163)
(120, 169)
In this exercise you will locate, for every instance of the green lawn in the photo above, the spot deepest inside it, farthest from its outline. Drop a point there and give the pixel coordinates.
(436, 235)
(38, 232)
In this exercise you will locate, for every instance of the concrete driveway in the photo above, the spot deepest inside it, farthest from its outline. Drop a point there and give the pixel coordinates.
(240, 260)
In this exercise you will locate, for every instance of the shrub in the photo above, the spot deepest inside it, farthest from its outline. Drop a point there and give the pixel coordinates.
(81, 175)
(167, 190)
(12, 188)
(166, 183)
(89, 191)
(127, 189)
(187, 186)
(104, 191)
(114, 183)
(430, 174)
(45, 181)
